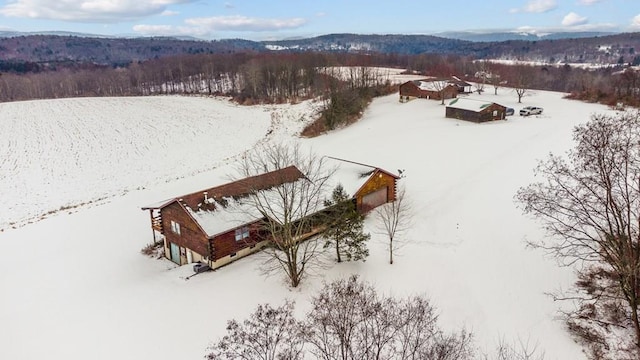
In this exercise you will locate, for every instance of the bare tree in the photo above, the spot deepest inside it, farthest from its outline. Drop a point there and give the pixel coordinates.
(590, 205)
(394, 220)
(350, 321)
(440, 86)
(521, 78)
(289, 210)
(522, 350)
(269, 334)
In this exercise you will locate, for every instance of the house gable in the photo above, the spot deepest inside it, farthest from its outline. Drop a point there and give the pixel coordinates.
(190, 235)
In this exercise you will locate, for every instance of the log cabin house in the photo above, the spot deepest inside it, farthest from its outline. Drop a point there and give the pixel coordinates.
(475, 110)
(214, 226)
(427, 89)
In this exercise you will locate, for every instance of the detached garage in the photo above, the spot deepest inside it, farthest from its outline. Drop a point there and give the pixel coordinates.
(369, 186)
(475, 110)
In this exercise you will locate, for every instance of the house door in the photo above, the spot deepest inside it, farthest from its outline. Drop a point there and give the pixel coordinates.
(175, 253)
(374, 199)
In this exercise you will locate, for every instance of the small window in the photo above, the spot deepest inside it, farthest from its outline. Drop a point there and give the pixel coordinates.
(175, 227)
(495, 112)
(242, 233)
(232, 254)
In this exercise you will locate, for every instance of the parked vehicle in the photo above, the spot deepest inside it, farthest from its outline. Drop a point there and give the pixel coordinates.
(530, 110)
(509, 112)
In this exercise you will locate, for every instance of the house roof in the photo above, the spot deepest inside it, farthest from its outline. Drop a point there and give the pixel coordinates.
(457, 81)
(431, 85)
(224, 208)
(470, 104)
(237, 188)
(220, 209)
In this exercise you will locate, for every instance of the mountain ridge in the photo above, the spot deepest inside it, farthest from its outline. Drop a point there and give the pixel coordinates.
(118, 51)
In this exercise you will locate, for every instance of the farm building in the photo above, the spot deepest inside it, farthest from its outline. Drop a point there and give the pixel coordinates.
(215, 226)
(427, 89)
(475, 110)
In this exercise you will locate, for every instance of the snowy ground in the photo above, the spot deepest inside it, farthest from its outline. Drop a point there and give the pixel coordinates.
(57, 154)
(74, 285)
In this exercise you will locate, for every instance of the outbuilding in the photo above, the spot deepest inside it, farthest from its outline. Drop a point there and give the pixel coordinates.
(475, 110)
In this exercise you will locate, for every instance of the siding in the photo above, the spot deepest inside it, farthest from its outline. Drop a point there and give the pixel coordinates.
(191, 236)
(225, 244)
(378, 180)
(477, 116)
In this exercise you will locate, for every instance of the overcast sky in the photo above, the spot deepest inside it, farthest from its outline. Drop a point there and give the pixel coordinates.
(278, 19)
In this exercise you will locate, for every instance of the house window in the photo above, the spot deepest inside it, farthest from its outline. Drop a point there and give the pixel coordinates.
(495, 112)
(242, 233)
(175, 227)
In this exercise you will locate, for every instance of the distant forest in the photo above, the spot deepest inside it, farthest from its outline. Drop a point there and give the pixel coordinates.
(34, 68)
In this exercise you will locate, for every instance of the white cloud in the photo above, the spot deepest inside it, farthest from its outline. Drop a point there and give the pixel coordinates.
(169, 30)
(537, 6)
(209, 25)
(169, 13)
(588, 2)
(243, 23)
(635, 22)
(573, 19)
(110, 11)
(582, 27)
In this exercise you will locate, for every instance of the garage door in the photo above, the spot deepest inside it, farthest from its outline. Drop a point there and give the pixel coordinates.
(374, 199)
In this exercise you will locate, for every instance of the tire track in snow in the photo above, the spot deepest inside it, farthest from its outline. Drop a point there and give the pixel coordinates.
(58, 154)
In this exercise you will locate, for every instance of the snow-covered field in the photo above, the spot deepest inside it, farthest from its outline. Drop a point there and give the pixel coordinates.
(74, 285)
(57, 154)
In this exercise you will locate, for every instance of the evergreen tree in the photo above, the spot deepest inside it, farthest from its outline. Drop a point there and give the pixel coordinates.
(345, 228)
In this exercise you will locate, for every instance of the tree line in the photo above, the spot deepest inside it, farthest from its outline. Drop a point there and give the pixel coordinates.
(253, 77)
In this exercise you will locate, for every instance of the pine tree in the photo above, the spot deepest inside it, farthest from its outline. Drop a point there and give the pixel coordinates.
(346, 228)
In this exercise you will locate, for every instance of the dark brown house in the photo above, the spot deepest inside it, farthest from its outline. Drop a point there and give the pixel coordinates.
(475, 110)
(208, 225)
(427, 89)
(215, 227)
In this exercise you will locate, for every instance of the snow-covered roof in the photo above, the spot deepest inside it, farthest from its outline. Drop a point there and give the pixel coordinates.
(228, 214)
(236, 188)
(469, 104)
(436, 85)
(218, 217)
(225, 207)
